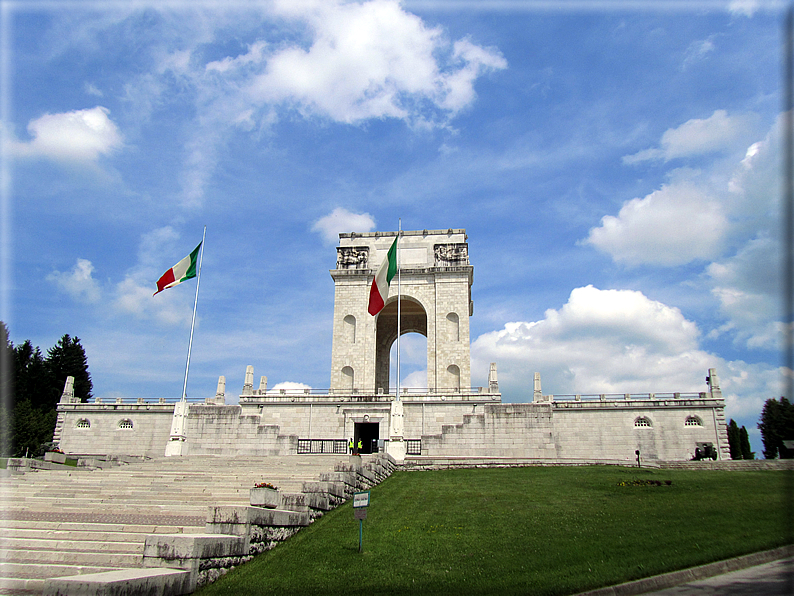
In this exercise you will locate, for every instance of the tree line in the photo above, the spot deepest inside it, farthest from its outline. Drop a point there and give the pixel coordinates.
(32, 384)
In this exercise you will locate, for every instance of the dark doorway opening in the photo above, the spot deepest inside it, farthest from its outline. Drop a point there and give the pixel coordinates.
(367, 432)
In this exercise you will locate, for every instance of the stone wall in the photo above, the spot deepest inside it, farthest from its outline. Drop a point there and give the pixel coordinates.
(598, 431)
(139, 429)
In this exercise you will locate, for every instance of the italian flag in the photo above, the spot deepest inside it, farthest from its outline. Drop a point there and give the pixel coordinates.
(182, 271)
(380, 285)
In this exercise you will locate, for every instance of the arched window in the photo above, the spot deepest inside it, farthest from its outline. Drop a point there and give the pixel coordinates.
(83, 423)
(126, 423)
(693, 421)
(453, 324)
(350, 328)
(347, 378)
(454, 375)
(642, 422)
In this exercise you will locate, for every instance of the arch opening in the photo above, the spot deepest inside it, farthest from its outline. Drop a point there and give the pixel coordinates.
(413, 319)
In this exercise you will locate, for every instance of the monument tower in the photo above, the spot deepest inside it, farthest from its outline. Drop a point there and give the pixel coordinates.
(435, 300)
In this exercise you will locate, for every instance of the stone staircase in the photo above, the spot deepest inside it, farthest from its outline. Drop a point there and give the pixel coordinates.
(76, 521)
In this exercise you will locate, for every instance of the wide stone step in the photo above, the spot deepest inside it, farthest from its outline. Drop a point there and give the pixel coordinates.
(70, 557)
(36, 571)
(12, 527)
(45, 533)
(71, 545)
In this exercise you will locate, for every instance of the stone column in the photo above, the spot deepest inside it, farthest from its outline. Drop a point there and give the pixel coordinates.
(248, 386)
(493, 383)
(538, 393)
(177, 441)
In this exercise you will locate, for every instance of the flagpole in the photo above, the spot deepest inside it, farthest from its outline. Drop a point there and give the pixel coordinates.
(399, 233)
(193, 322)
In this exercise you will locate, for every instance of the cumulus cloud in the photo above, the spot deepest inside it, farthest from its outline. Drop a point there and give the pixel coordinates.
(717, 133)
(365, 60)
(341, 220)
(81, 135)
(679, 223)
(615, 341)
(78, 282)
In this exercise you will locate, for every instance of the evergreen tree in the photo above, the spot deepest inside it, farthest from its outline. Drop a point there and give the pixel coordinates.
(744, 441)
(733, 440)
(67, 359)
(6, 389)
(33, 380)
(777, 425)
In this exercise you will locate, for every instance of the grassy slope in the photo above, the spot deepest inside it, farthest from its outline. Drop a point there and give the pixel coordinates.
(552, 530)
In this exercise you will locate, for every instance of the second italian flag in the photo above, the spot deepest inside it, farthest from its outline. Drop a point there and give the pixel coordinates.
(380, 285)
(182, 271)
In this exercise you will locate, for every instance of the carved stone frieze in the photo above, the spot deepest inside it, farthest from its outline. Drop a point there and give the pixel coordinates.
(451, 255)
(352, 257)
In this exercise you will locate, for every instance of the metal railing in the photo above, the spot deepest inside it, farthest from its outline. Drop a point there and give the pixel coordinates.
(413, 446)
(335, 446)
(624, 397)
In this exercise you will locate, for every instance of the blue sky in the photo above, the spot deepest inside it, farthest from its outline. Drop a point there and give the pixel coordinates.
(615, 165)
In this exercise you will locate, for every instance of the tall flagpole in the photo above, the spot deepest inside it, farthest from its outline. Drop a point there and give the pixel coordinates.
(399, 233)
(193, 322)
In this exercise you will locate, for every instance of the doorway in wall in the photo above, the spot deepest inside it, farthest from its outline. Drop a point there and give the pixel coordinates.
(368, 433)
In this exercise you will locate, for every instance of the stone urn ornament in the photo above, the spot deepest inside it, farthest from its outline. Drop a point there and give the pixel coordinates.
(266, 495)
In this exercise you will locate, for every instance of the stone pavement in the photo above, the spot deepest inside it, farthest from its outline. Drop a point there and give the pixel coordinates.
(768, 573)
(770, 579)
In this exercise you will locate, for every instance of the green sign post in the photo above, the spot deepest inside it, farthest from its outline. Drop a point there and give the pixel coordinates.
(360, 504)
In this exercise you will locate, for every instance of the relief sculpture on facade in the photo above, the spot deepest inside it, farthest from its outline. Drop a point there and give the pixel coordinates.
(352, 257)
(452, 255)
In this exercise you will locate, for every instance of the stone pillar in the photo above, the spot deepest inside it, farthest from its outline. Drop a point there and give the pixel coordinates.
(262, 385)
(538, 393)
(493, 383)
(396, 446)
(248, 386)
(67, 397)
(177, 441)
(220, 393)
(714, 383)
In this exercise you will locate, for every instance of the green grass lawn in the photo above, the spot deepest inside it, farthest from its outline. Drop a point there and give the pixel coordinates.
(536, 530)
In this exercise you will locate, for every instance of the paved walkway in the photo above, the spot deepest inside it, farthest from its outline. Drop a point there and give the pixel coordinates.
(770, 579)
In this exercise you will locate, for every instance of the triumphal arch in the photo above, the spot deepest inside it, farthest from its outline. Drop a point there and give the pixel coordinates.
(434, 297)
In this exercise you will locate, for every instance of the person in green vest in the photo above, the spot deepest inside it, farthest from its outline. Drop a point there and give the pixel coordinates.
(351, 446)
(359, 446)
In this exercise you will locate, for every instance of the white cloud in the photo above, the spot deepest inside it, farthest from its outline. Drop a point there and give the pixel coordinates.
(341, 220)
(81, 135)
(616, 341)
(290, 387)
(717, 133)
(679, 223)
(744, 7)
(748, 288)
(366, 60)
(697, 51)
(79, 282)
(134, 294)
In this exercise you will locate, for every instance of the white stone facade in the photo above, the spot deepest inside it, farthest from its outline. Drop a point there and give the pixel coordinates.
(449, 419)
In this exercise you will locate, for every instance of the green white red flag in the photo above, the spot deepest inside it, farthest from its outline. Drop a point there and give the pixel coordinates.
(379, 291)
(182, 271)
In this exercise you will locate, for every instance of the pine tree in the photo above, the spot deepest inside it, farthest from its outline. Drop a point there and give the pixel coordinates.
(6, 389)
(744, 441)
(733, 440)
(776, 425)
(67, 359)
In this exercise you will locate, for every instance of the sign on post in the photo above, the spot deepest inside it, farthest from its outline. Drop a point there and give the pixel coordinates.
(360, 504)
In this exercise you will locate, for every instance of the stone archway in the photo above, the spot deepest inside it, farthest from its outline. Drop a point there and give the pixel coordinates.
(413, 319)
